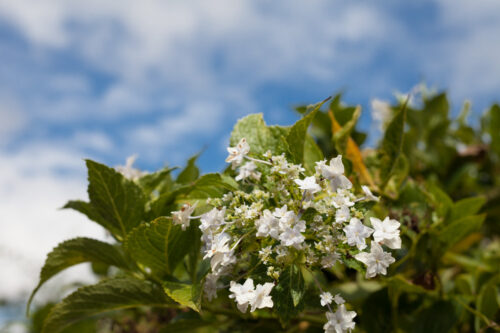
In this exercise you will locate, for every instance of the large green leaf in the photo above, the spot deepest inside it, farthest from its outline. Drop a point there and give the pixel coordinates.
(288, 293)
(116, 200)
(392, 144)
(76, 251)
(312, 154)
(466, 207)
(160, 245)
(188, 295)
(487, 301)
(297, 134)
(190, 173)
(211, 185)
(107, 295)
(440, 317)
(260, 137)
(458, 229)
(88, 210)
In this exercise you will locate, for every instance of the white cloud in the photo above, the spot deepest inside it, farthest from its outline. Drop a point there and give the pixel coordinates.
(34, 184)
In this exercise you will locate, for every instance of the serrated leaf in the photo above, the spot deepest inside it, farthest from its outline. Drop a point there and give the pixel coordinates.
(118, 201)
(160, 245)
(107, 295)
(76, 251)
(259, 136)
(88, 210)
(190, 173)
(289, 292)
(185, 294)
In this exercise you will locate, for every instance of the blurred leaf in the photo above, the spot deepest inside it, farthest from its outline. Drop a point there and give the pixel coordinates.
(487, 301)
(107, 295)
(353, 153)
(159, 181)
(466, 207)
(312, 154)
(190, 173)
(76, 251)
(455, 231)
(440, 317)
(392, 144)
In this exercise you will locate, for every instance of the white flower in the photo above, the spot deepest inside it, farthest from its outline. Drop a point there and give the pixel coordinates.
(236, 154)
(376, 261)
(342, 214)
(242, 293)
(308, 184)
(210, 286)
(338, 299)
(265, 254)
(293, 236)
(245, 295)
(340, 321)
(326, 298)
(267, 225)
(261, 298)
(330, 260)
(368, 194)
(340, 200)
(280, 212)
(220, 253)
(356, 232)
(128, 171)
(248, 170)
(212, 219)
(334, 172)
(182, 216)
(386, 232)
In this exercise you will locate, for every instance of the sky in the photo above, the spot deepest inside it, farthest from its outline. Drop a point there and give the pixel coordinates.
(166, 79)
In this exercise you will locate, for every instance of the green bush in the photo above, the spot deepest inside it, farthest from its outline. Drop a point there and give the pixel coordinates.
(278, 230)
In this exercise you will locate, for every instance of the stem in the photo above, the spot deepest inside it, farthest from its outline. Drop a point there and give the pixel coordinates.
(258, 161)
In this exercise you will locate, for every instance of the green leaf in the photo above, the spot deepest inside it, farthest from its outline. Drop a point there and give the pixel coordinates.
(439, 199)
(185, 294)
(159, 181)
(312, 154)
(341, 137)
(107, 295)
(466, 207)
(296, 137)
(160, 245)
(491, 124)
(76, 251)
(487, 302)
(88, 210)
(190, 173)
(260, 137)
(392, 144)
(116, 200)
(211, 185)
(458, 229)
(186, 326)
(440, 317)
(289, 292)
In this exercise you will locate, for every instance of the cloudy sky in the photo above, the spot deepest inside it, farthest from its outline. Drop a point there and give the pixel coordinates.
(164, 79)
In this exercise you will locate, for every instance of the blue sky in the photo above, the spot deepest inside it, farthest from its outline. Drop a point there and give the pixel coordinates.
(163, 79)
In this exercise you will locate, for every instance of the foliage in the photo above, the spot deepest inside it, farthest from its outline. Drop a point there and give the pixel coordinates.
(439, 177)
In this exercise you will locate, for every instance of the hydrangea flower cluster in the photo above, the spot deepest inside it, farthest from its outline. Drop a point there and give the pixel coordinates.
(286, 216)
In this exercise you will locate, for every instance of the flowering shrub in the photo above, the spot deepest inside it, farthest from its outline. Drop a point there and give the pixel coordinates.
(289, 237)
